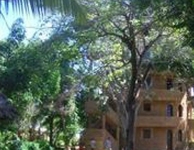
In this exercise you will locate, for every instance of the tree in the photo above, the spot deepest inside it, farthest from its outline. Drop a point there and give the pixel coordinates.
(171, 55)
(181, 13)
(36, 76)
(177, 14)
(118, 47)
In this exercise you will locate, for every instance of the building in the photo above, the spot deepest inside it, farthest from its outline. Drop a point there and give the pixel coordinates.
(164, 120)
(101, 125)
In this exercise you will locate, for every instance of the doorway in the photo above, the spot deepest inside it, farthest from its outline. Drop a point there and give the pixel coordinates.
(169, 138)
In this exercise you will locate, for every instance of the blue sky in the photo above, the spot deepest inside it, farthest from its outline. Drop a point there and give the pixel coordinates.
(30, 22)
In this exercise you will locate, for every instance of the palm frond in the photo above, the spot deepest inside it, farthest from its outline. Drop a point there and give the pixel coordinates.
(41, 7)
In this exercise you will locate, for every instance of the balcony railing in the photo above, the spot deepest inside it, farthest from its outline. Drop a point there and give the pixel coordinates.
(161, 94)
(158, 121)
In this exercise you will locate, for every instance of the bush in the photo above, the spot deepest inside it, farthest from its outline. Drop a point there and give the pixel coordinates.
(36, 145)
(10, 141)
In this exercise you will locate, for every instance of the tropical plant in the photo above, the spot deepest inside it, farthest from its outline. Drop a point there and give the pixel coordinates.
(9, 140)
(41, 7)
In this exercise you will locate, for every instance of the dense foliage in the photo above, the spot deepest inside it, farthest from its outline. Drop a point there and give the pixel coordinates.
(48, 80)
(39, 79)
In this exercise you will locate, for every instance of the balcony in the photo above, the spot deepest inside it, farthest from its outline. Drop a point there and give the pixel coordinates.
(162, 95)
(92, 107)
(157, 121)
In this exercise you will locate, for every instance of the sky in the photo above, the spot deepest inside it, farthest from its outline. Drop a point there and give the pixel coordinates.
(30, 22)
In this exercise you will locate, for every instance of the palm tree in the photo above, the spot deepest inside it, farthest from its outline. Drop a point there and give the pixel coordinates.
(41, 7)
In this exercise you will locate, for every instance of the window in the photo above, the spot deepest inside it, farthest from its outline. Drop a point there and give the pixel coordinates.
(147, 106)
(169, 84)
(169, 110)
(146, 133)
(180, 135)
(180, 111)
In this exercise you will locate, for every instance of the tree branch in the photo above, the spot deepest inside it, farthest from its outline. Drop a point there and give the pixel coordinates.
(147, 47)
(117, 27)
(104, 30)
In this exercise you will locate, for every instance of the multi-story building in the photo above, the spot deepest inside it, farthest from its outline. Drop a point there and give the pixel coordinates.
(164, 119)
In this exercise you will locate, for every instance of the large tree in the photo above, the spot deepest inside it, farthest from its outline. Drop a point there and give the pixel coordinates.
(117, 47)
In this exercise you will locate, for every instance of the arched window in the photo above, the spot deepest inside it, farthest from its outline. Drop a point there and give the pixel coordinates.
(180, 111)
(169, 110)
(180, 136)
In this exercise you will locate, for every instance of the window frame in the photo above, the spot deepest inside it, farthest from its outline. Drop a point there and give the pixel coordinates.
(147, 108)
(169, 110)
(147, 135)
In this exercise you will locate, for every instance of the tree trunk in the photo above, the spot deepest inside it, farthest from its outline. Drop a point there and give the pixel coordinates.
(51, 130)
(130, 130)
(131, 97)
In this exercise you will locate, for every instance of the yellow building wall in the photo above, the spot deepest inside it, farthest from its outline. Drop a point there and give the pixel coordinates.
(158, 140)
